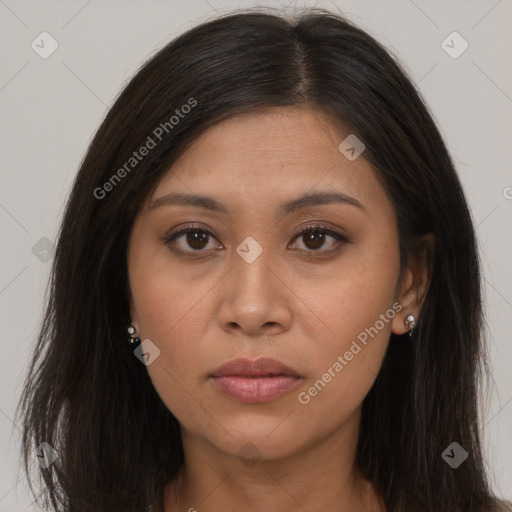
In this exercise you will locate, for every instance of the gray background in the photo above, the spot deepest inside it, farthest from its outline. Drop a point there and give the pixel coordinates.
(52, 107)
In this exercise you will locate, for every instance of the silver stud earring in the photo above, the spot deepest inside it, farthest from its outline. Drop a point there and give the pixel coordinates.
(410, 322)
(132, 340)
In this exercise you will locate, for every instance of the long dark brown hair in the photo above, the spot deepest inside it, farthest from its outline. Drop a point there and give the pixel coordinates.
(92, 401)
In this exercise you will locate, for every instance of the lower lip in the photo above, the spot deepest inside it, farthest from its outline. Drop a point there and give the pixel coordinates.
(255, 389)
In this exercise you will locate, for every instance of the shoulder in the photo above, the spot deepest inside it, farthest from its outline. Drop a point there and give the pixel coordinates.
(502, 506)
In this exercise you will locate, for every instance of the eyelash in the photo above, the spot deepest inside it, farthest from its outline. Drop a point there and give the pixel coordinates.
(340, 239)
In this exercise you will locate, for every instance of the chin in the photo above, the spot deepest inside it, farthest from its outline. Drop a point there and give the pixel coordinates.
(255, 438)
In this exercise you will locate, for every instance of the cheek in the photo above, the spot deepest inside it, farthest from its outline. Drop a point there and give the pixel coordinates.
(360, 291)
(358, 308)
(162, 295)
(359, 316)
(170, 311)
(167, 317)
(172, 315)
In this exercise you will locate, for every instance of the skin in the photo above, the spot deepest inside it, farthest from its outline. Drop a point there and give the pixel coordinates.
(290, 303)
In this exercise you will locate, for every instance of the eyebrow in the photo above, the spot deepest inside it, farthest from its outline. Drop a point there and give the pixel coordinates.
(301, 202)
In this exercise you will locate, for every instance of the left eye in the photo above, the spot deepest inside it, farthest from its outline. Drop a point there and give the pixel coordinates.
(197, 239)
(315, 236)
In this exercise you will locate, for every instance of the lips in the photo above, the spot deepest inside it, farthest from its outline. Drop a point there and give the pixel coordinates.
(249, 381)
(261, 367)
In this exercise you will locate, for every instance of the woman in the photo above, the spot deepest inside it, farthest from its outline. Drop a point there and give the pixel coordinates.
(266, 290)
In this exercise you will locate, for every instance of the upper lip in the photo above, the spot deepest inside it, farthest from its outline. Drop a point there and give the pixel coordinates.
(259, 367)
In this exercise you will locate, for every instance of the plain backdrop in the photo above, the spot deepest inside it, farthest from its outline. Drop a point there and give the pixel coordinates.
(51, 107)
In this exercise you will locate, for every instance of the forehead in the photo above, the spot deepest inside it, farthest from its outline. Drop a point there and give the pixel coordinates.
(270, 156)
(278, 133)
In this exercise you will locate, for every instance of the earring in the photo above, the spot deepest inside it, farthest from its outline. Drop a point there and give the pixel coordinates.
(132, 340)
(410, 323)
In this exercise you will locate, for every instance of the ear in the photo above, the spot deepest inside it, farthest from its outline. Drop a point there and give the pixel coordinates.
(415, 282)
(133, 313)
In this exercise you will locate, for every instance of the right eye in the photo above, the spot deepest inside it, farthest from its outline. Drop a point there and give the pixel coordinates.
(190, 237)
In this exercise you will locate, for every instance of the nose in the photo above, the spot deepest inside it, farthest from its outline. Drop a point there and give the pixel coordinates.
(256, 298)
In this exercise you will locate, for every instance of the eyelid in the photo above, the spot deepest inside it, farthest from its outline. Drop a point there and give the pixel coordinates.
(324, 227)
(183, 229)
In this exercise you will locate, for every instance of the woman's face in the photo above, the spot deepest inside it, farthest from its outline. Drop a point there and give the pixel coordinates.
(246, 284)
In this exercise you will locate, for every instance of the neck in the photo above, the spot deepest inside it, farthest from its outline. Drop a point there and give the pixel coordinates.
(322, 476)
